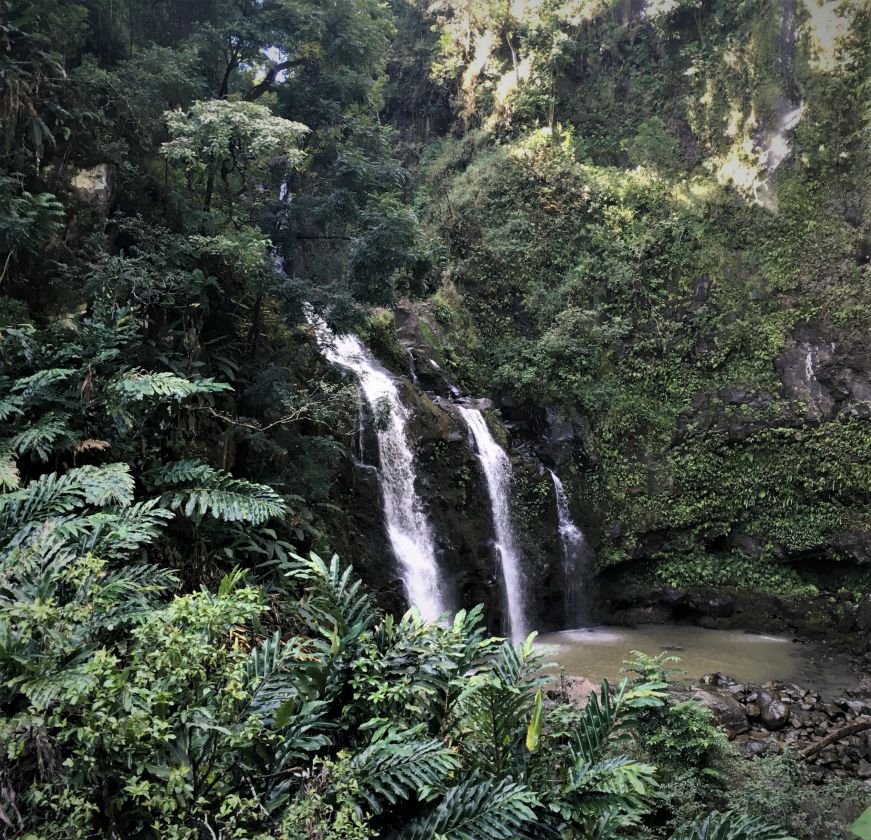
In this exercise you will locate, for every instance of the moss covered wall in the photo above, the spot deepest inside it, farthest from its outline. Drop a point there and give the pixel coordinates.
(633, 258)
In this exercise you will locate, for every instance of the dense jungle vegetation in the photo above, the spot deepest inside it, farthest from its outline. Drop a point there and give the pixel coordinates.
(648, 220)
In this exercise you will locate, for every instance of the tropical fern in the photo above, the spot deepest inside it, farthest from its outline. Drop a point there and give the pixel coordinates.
(54, 495)
(43, 436)
(399, 765)
(10, 477)
(489, 809)
(10, 405)
(28, 386)
(334, 605)
(602, 790)
(730, 826)
(116, 534)
(496, 705)
(280, 674)
(217, 493)
(417, 670)
(136, 385)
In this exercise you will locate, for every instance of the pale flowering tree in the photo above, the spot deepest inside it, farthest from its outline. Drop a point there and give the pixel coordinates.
(233, 140)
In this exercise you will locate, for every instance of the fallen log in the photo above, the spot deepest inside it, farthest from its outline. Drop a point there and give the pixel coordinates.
(837, 735)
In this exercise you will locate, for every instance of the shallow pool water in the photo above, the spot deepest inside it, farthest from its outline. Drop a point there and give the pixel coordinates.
(599, 652)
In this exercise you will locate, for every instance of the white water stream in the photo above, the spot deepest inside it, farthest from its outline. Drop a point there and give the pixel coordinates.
(407, 526)
(574, 554)
(497, 471)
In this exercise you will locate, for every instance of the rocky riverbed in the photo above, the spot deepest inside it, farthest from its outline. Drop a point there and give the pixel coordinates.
(834, 736)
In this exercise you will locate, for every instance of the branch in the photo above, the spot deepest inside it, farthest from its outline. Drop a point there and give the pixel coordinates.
(837, 735)
(290, 418)
(321, 236)
(269, 79)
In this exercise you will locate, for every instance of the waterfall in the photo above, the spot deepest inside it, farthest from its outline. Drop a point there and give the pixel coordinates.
(407, 527)
(497, 471)
(574, 555)
(412, 367)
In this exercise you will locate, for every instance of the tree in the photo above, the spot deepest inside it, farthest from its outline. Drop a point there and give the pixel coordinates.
(235, 140)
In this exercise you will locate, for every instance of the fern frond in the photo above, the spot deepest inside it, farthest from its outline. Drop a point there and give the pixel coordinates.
(605, 718)
(91, 445)
(136, 385)
(730, 826)
(182, 472)
(497, 703)
(217, 493)
(115, 534)
(54, 495)
(10, 405)
(280, 673)
(42, 437)
(43, 690)
(334, 602)
(29, 385)
(493, 809)
(620, 774)
(10, 478)
(398, 765)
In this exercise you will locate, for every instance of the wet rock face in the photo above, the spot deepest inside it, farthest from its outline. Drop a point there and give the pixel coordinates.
(830, 373)
(452, 486)
(768, 718)
(95, 187)
(622, 601)
(562, 438)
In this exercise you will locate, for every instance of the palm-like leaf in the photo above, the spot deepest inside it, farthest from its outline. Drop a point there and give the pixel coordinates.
(334, 603)
(55, 495)
(396, 766)
(491, 809)
(43, 436)
(497, 703)
(279, 675)
(215, 492)
(730, 826)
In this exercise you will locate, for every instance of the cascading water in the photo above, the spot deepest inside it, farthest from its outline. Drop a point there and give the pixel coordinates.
(574, 556)
(407, 527)
(497, 471)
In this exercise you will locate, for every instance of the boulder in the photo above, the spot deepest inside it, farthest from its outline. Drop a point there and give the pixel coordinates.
(711, 605)
(754, 748)
(652, 614)
(775, 715)
(728, 711)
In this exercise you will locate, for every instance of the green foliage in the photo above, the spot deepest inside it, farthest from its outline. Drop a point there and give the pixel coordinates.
(729, 826)
(181, 709)
(199, 489)
(735, 570)
(27, 222)
(862, 826)
(173, 661)
(229, 139)
(771, 788)
(489, 810)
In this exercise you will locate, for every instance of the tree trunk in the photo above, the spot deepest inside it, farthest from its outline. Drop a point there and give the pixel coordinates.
(837, 735)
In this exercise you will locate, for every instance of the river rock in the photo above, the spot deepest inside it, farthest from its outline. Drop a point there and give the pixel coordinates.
(754, 748)
(727, 709)
(775, 715)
